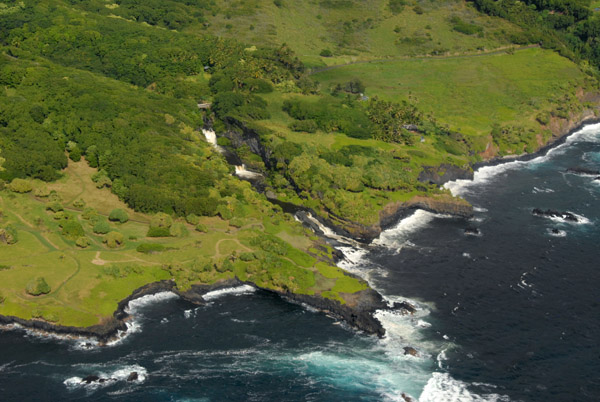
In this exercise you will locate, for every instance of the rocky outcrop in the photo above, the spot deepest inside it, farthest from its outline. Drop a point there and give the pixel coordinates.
(550, 213)
(240, 134)
(444, 173)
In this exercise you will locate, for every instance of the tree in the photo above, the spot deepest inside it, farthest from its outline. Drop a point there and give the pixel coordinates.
(113, 239)
(37, 286)
(118, 215)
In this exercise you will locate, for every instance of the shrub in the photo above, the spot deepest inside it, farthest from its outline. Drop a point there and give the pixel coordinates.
(8, 235)
(41, 192)
(113, 239)
(82, 242)
(79, 203)
(89, 213)
(118, 215)
(396, 6)
(418, 9)
(158, 232)
(201, 228)
(543, 118)
(101, 227)
(307, 126)
(55, 207)
(20, 186)
(326, 53)
(2, 298)
(179, 230)
(236, 222)
(37, 286)
(71, 229)
(75, 154)
(192, 219)
(278, 3)
(149, 248)
(161, 220)
(465, 27)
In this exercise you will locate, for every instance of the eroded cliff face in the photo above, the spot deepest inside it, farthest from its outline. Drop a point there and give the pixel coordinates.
(393, 212)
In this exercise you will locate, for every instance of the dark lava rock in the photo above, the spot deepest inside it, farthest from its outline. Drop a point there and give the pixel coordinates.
(444, 173)
(406, 397)
(133, 376)
(550, 213)
(410, 351)
(582, 170)
(406, 307)
(90, 379)
(472, 231)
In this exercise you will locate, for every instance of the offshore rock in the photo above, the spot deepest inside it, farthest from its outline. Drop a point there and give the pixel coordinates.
(550, 213)
(408, 350)
(133, 376)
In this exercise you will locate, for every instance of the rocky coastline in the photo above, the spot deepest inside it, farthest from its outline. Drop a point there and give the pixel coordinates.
(358, 313)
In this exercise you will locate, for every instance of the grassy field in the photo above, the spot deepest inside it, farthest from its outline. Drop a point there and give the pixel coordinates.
(355, 29)
(470, 93)
(87, 283)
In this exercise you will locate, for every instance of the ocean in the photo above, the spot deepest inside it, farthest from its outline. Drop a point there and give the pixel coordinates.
(508, 310)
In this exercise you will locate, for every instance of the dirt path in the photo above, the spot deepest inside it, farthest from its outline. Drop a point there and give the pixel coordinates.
(458, 56)
(99, 261)
(240, 245)
(36, 232)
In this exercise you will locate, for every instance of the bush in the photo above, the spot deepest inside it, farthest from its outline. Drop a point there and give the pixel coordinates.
(149, 248)
(8, 235)
(113, 239)
(82, 242)
(101, 227)
(54, 207)
(158, 232)
(179, 230)
(278, 3)
(192, 219)
(37, 286)
(326, 53)
(20, 186)
(75, 154)
(118, 215)
(79, 203)
(307, 126)
(2, 298)
(396, 6)
(161, 220)
(201, 228)
(89, 213)
(543, 118)
(41, 192)
(71, 229)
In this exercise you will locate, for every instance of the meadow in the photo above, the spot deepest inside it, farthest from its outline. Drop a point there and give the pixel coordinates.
(471, 93)
(86, 283)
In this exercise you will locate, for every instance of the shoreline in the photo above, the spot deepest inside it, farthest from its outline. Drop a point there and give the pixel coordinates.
(360, 317)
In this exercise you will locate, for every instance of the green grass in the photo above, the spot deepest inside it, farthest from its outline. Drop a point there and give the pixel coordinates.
(470, 93)
(363, 31)
(87, 284)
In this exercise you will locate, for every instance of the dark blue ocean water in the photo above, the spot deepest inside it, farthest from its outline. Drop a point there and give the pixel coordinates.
(511, 314)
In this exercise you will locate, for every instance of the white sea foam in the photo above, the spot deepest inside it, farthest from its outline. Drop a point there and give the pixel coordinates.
(590, 133)
(479, 209)
(442, 387)
(559, 233)
(118, 375)
(397, 237)
(537, 190)
(581, 220)
(236, 291)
